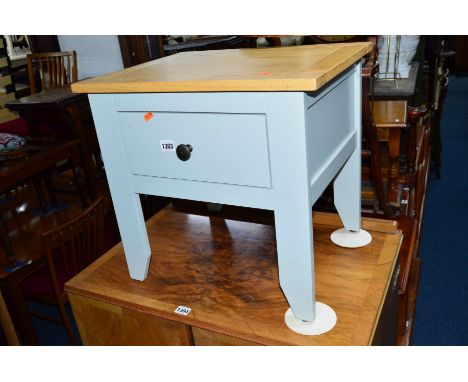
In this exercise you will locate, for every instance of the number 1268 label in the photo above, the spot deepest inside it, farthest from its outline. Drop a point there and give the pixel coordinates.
(167, 145)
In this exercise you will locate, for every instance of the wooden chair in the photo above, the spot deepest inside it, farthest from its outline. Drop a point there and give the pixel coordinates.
(69, 248)
(51, 70)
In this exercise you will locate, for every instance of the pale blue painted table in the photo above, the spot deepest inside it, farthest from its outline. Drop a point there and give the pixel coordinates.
(275, 150)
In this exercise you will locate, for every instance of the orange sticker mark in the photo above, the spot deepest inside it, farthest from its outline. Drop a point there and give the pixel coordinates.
(265, 73)
(148, 116)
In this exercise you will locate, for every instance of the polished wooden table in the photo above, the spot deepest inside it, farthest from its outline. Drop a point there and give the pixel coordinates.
(226, 271)
(40, 160)
(62, 106)
(261, 128)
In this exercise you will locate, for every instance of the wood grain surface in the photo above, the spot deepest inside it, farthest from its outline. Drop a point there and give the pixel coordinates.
(226, 271)
(299, 68)
(124, 326)
(202, 337)
(390, 114)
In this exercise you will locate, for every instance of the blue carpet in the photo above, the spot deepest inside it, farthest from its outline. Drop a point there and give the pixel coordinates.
(442, 305)
(49, 333)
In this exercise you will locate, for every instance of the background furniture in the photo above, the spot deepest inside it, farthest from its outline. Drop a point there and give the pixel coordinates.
(403, 89)
(205, 43)
(226, 271)
(439, 55)
(19, 67)
(11, 175)
(137, 49)
(17, 47)
(402, 172)
(390, 118)
(71, 112)
(68, 249)
(36, 163)
(409, 89)
(51, 70)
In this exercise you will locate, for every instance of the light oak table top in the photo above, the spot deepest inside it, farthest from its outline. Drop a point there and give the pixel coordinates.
(299, 68)
(226, 271)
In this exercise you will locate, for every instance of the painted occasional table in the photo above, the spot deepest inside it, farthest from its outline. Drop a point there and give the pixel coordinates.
(263, 128)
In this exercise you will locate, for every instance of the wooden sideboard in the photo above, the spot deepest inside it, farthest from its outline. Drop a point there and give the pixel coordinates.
(226, 271)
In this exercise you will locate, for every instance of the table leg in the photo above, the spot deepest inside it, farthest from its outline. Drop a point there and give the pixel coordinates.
(44, 209)
(292, 201)
(50, 190)
(126, 202)
(6, 242)
(394, 168)
(347, 192)
(347, 184)
(34, 126)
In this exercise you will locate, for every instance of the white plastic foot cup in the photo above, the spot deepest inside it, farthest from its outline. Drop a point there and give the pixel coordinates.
(351, 239)
(325, 320)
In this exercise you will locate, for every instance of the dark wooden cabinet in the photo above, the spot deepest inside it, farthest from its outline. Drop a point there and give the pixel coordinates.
(138, 49)
(44, 43)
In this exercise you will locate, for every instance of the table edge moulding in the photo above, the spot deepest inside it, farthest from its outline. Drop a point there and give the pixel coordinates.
(263, 128)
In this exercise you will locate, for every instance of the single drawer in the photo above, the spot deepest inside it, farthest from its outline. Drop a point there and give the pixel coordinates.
(226, 148)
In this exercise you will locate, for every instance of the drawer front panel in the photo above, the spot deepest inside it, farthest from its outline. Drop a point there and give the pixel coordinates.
(226, 148)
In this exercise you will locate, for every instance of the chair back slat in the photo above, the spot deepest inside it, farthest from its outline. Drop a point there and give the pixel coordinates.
(51, 69)
(62, 72)
(53, 72)
(42, 74)
(68, 69)
(47, 75)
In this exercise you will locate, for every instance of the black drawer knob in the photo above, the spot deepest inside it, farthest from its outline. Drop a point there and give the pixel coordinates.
(184, 152)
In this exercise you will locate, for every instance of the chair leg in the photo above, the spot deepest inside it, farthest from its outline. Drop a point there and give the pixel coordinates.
(5, 239)
(67, 324)
(7, 324)
(50, 190)
(40, 196)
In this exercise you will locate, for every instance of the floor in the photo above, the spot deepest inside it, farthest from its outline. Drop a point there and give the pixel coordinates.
(442, 304)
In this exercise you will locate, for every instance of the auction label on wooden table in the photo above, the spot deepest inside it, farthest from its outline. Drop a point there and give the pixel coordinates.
(183, 310)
